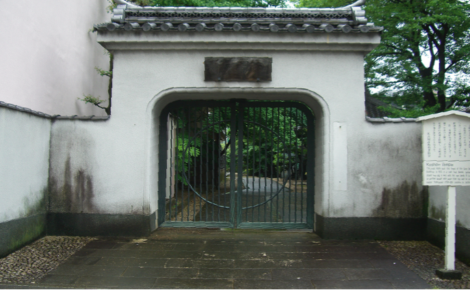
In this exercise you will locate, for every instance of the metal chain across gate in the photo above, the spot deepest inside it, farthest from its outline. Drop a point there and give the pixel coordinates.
(238, 164)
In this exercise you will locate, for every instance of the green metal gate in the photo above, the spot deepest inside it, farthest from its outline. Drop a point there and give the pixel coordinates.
(237, 164)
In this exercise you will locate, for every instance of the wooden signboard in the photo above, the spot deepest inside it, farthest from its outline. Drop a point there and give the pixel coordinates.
(446, 150)
(238, 69)
(446, 162)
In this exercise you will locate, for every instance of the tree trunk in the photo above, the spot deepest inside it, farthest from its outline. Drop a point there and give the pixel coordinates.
(428, 94)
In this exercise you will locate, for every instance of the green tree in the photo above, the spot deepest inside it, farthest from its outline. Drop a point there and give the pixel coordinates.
(274, 140)
(423, 59)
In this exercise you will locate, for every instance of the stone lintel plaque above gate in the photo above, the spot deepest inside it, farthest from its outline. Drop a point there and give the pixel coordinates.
(238, 69)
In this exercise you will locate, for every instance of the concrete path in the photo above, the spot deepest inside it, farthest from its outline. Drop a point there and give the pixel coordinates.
(189, 258)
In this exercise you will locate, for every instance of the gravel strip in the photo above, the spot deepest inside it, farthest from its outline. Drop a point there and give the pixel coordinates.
(32, 262)
(424, 259)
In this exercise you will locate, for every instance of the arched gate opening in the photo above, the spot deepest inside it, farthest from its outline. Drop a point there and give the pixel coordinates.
(237, 163)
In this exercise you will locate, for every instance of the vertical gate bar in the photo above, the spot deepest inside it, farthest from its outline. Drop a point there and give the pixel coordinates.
(201, 182)
(247, 159)
(253, 173)
(183, 164)
(271, 110)
(250, 118)
(265, 165)
(175, 171)
(241, 111)
(278, 159)
(302, 174)
(170, 136)
(297, 164)
(207, 169)
(189, 162)
(195, 166)
(177, 163)
(219, 112)
(233, 129)
(259, 163)
(284, 164)
(225, 170)
(200, 170)
(290, 159)
(296, 155)
(213, 167)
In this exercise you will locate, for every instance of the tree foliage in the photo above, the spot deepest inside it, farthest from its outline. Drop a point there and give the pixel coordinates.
(274, 141)
(423, 59)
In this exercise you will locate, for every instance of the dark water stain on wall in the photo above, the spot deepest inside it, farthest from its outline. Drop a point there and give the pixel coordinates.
(36, 207)
(76, 193)
(403, 201)
(437, 213)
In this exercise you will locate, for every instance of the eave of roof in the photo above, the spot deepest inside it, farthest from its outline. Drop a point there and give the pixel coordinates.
(53, 117)
(443, 114)
(200, 19)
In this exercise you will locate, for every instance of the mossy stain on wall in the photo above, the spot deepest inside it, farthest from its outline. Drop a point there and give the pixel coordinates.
(75, 194)
(437, 213)
(403, 201)
(28, 234)
(22, 231)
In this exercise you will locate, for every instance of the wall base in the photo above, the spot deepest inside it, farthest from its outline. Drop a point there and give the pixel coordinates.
(436, 232)
(81, 224)
(371, 228)
(20, 232)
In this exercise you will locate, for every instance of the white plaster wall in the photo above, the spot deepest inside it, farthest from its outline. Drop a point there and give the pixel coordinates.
(438, 204)
(125, 176)
(48, 55)
(139, 76)
(384, 172)
(24, 164)
(98, 166)
(362, 169)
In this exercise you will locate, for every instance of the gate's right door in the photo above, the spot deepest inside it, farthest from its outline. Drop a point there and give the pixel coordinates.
(275, 146)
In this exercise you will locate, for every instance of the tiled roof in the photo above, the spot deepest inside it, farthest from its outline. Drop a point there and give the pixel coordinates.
(200, 19)
(390, 120)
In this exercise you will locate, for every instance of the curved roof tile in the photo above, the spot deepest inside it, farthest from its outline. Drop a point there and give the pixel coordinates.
(254, 19)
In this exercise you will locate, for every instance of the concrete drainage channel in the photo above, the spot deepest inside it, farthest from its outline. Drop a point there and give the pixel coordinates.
(194, 258)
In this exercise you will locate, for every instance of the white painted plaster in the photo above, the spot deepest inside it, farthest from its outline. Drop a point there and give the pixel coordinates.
(142, 80)
(48, 55)
(110, 154)
(450, 230)
(382, 158)
(24, 160)
(437, 204)
(340, 156)
(123, 157)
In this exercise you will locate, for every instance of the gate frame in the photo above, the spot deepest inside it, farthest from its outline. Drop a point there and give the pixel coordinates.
(310, 99)
(235, 199)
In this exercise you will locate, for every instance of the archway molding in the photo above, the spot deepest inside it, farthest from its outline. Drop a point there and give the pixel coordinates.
(312, 100)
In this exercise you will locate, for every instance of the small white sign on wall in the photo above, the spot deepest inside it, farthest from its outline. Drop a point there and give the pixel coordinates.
(446, 149)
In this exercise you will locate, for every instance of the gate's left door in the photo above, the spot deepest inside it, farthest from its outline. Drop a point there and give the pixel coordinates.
(199, 178)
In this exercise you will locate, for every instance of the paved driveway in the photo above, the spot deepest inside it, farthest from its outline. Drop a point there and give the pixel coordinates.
(189, 258)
